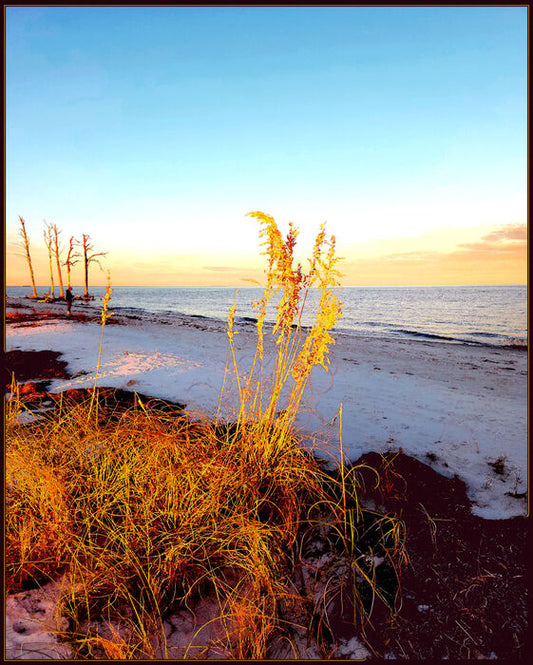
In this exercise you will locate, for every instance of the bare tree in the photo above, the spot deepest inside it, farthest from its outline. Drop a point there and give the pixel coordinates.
(72, 258)
(48, 241)
(88, 258)
(56, 252)
(26, 245)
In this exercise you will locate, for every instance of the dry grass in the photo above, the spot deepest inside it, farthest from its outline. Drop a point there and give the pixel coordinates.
(143, 513)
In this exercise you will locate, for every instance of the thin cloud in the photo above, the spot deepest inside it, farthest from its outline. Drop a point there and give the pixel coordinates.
(494, 247)
(222, 268)
(510, 232)
(508, 239)
(422, 255)
(497, 257)
(511, 239)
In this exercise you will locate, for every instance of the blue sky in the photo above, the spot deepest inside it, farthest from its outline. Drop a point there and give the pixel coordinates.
(156, 129)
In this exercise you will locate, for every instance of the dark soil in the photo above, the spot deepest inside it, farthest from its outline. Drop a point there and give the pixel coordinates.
(35, 314)
(44, 365)
(463, 593)
(114, 402)
(26, 365)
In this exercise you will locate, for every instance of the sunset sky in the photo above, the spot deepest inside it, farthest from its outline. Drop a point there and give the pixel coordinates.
(156, 129)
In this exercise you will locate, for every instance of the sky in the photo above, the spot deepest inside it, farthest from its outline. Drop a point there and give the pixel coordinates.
(155, 130)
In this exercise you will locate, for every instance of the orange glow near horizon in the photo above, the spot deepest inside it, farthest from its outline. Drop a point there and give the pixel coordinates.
(495, 256)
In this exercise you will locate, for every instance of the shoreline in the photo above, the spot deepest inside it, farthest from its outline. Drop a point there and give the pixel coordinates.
(247, 317)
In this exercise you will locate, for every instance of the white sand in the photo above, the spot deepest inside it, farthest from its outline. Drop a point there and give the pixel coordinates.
(31, 625)
(466, 405)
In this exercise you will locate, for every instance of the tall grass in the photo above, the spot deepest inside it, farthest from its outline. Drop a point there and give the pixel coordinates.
(105, 315)
(297, 353)
(143, 513)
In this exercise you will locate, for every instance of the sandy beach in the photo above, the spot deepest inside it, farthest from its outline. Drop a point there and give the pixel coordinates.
(454, 417)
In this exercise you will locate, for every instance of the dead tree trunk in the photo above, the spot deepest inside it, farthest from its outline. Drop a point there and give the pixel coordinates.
(26, 245)
(72, 258)
(88, 258)
(86, 268)
(56, 232)
(48, 242)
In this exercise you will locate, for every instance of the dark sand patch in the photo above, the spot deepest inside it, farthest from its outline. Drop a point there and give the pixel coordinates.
(26, 365)
(463, 593)
(27, 312)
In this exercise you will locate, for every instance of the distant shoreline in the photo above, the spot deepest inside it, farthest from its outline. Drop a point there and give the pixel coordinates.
(246, 315)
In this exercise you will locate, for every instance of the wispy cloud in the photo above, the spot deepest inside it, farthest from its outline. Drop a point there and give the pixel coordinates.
(512, 238)
(422, 255)
(509, 232)
(222, 268)
(498, 257)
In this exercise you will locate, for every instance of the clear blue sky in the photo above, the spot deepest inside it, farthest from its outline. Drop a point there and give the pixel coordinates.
(155, 129)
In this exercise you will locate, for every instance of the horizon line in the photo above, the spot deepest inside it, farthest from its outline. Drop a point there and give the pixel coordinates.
(258, 286)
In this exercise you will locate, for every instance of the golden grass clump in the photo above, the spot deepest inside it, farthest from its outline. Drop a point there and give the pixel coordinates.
(149, 511)
(297, 353)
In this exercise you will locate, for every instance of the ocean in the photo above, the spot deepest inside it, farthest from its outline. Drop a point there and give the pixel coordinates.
(486, 315)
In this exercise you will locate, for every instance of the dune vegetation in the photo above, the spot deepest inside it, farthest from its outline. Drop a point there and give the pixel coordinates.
(141, 513)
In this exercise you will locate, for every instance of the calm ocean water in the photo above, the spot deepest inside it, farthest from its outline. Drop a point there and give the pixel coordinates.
(488, 315)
